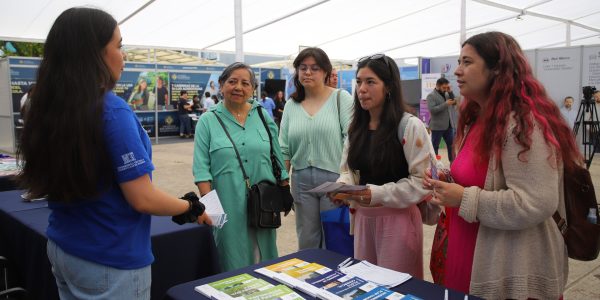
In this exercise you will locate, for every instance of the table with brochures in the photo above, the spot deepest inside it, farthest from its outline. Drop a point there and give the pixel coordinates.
(182, 252)
(413, 286)
(8, 171)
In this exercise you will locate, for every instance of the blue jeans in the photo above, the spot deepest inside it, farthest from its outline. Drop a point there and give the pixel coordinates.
(185, 124)
(308, 207)
(77, 278)
(448, 135)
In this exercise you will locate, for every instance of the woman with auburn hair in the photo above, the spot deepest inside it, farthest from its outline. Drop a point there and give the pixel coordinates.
(503, 242)
(84, 148)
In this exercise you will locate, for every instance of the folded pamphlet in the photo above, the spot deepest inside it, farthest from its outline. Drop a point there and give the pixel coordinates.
(214, 209)
(379, 275)
(335, 187)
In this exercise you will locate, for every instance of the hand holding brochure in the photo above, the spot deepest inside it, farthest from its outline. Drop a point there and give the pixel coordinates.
(214, 209)
(332, 187)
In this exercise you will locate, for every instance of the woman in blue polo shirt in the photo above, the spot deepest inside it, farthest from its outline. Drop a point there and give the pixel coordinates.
(85, 149)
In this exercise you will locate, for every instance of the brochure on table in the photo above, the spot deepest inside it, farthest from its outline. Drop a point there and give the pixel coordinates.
(246, 286)
(356, 281)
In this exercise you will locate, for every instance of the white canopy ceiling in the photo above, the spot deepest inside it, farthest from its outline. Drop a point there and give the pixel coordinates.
(345, 29)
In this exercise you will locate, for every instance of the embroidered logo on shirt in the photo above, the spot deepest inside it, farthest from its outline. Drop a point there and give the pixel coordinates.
(129, 162)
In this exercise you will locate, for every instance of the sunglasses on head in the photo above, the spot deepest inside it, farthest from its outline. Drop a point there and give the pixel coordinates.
(378, 56)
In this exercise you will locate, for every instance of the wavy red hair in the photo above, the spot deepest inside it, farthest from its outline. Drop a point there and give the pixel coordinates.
(514, 90)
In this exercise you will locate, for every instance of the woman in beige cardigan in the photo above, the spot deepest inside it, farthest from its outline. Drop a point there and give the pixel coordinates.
(503, 242)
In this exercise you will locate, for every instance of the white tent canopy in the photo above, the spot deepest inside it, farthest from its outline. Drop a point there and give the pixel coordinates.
(345, 29)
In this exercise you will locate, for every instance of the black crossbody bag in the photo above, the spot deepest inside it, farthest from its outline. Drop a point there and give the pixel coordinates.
(266, 200)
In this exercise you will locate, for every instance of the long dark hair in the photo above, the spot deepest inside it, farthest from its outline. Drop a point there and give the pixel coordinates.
(62, 148)
(385, 145)
(322, 61)
(514, 90)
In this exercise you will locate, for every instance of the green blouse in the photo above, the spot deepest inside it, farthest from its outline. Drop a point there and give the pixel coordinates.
(215, 161)
(317, 140)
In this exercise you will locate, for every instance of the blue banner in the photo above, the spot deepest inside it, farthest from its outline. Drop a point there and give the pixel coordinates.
(269, 74)
(144, 90)
(20, 81)
(193, 83)
(168, 123)
(24, 61)
(425, 65)
(345, 78)
(409, 72)
(147, 120)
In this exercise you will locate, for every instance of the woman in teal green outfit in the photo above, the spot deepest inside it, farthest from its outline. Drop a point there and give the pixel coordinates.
(216, 166)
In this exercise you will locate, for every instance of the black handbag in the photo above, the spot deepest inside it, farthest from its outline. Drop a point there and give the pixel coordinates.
(266, 200)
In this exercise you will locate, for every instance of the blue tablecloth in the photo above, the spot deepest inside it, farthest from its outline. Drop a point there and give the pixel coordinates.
(417, 287)
(7, 183)
(182, 253)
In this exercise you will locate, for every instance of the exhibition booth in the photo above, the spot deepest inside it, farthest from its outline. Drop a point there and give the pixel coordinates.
(151, 90)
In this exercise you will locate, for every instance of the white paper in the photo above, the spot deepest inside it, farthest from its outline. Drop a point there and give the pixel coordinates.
(214, 209)
(330, 187)
(379, 275)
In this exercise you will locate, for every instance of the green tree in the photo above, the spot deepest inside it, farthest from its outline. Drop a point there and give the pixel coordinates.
(22, 49)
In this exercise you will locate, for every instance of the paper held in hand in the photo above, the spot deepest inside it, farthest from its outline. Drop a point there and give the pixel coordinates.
(214, 209)
(336, 187)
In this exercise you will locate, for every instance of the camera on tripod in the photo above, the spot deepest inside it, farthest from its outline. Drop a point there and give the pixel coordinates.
(588, 119)
(588, 92)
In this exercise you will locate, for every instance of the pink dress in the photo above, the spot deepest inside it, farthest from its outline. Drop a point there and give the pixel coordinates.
(467, 171)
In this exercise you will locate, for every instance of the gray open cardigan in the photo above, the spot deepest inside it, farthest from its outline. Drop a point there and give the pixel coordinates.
(519, 252)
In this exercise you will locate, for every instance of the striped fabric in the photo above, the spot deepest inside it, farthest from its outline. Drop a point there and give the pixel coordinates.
(316, 141)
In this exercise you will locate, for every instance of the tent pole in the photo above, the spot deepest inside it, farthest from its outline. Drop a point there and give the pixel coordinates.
(463, 21)
(239, 38)
(568, 37)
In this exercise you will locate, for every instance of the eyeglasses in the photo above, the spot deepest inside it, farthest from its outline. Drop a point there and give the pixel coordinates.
(378, 56)
(313, 68)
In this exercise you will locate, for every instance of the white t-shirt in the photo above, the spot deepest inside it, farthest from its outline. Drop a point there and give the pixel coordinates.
(208, 103)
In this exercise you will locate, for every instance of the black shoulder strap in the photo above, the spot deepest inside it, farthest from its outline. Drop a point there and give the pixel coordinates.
(274, 164)
(237, 154)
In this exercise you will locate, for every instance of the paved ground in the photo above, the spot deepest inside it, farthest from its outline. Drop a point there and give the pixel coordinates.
(173, 159)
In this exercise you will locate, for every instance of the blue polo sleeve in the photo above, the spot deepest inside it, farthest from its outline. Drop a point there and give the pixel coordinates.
(128, 145)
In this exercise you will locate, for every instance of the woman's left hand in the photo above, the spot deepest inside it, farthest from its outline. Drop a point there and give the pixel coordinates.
(444, 193)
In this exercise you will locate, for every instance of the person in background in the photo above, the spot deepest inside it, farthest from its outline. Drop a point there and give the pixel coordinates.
(267, 103)
(452, 109)
(596, 97)
(139, 98)
(313, 128)
(215, 99)
(333, 79)
(209, 102)
(388, 230)
(196, 105)
(97, 175)
(211, 88)
(216, 166)
(162, 92)
(279, 106)
(185, 122)
(440, 124)
(568, 112)
(25, 102)
(513, 147)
